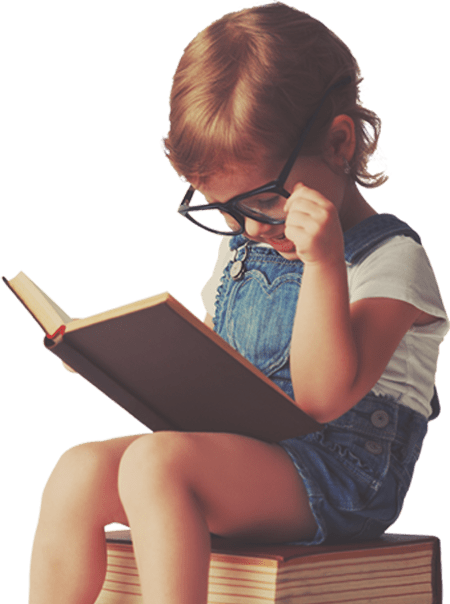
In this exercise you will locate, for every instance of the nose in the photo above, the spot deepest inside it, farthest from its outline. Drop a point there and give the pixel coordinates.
(255, 229)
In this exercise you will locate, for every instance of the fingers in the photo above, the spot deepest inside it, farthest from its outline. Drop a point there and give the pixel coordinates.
(302, 194)
(68, 367)
(308, 209)
(312, 224)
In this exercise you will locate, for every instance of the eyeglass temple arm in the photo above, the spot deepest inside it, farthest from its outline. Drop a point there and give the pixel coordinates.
(288, 167)
(186, 199)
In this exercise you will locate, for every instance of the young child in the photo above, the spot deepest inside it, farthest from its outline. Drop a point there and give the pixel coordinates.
(337, 304)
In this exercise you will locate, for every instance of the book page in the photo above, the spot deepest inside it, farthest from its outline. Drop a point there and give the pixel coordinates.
(46, 312)
(120, 311)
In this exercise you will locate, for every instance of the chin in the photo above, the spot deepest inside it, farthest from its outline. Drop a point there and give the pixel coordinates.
(289, 255)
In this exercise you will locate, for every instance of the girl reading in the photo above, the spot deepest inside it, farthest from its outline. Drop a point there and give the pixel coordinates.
(335, 303)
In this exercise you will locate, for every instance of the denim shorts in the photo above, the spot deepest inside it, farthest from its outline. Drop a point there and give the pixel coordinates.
(358, 468)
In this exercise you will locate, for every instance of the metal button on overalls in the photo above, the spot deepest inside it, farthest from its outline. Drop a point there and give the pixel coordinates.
(374, 447)
(379, 419)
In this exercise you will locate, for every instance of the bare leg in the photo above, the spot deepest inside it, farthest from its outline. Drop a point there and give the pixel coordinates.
(177, 488)
(69, 554)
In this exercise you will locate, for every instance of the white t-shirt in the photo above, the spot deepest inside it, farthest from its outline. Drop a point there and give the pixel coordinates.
(399, 268)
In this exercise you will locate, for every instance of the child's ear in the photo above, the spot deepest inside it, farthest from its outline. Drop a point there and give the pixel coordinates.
(341, 141)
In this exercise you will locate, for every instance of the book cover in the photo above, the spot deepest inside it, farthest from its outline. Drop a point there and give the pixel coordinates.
(166, 368)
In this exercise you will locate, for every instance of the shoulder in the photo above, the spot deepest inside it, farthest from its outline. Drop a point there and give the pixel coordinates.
(400, 255)
(399, 268)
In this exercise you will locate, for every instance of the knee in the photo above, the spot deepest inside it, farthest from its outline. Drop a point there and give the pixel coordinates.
(80, 472)
(152, 462)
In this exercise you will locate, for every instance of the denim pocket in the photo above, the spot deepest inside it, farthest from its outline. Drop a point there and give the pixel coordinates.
(356, 468)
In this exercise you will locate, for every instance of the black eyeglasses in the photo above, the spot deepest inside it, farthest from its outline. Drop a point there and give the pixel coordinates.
(264, 204)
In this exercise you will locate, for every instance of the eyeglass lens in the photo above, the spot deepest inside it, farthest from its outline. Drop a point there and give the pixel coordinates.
(266, 207)
(217, 221)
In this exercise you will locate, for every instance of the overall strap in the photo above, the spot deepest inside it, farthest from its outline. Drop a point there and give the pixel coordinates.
(365, 237)
(237, 241)
(435, 406)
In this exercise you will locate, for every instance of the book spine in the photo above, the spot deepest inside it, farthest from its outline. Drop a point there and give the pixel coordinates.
(437, 572)
(98, 378)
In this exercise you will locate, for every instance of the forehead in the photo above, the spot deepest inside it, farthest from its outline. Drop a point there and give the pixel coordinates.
(224, 185)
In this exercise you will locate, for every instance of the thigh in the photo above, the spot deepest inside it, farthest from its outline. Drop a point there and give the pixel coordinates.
(246, 488)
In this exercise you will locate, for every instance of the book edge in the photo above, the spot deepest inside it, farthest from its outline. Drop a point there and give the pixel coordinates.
(119, 311)
(390, 541)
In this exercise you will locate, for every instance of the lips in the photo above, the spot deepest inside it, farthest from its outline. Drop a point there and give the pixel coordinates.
(281, 244)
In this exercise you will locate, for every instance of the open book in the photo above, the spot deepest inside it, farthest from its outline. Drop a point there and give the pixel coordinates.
(166, 368)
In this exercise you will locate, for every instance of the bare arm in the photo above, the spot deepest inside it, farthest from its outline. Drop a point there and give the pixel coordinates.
(338, 350)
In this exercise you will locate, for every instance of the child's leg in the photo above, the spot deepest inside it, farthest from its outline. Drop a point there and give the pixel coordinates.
(176, 488)
(68, 562)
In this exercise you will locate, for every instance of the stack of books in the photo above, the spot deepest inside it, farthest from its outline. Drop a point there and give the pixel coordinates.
(395, 569)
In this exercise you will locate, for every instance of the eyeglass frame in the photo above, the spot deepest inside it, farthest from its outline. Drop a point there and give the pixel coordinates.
(274, 186)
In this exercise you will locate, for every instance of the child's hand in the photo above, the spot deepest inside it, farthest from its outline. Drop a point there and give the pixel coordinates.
(68, 367)
(313, 225)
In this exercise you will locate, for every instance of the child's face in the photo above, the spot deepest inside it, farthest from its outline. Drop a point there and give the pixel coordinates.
(313, 172)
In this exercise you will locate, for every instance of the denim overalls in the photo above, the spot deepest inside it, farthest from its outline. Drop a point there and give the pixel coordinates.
(358, 468)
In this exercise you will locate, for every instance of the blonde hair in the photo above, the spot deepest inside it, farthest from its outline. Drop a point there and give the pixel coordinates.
(246, 85)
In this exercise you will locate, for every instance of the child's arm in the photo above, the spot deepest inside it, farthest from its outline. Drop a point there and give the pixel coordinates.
(338, 350)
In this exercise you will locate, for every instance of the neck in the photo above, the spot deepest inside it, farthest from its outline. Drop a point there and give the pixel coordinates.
(355, 208)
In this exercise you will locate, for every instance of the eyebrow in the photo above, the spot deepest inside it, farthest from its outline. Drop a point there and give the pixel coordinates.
(264, 196)
(258, 196)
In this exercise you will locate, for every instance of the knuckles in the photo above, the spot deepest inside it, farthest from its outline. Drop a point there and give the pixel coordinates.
(312, 224)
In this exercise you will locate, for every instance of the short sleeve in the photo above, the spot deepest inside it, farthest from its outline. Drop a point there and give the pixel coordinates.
(210, 289)
(398, 269)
